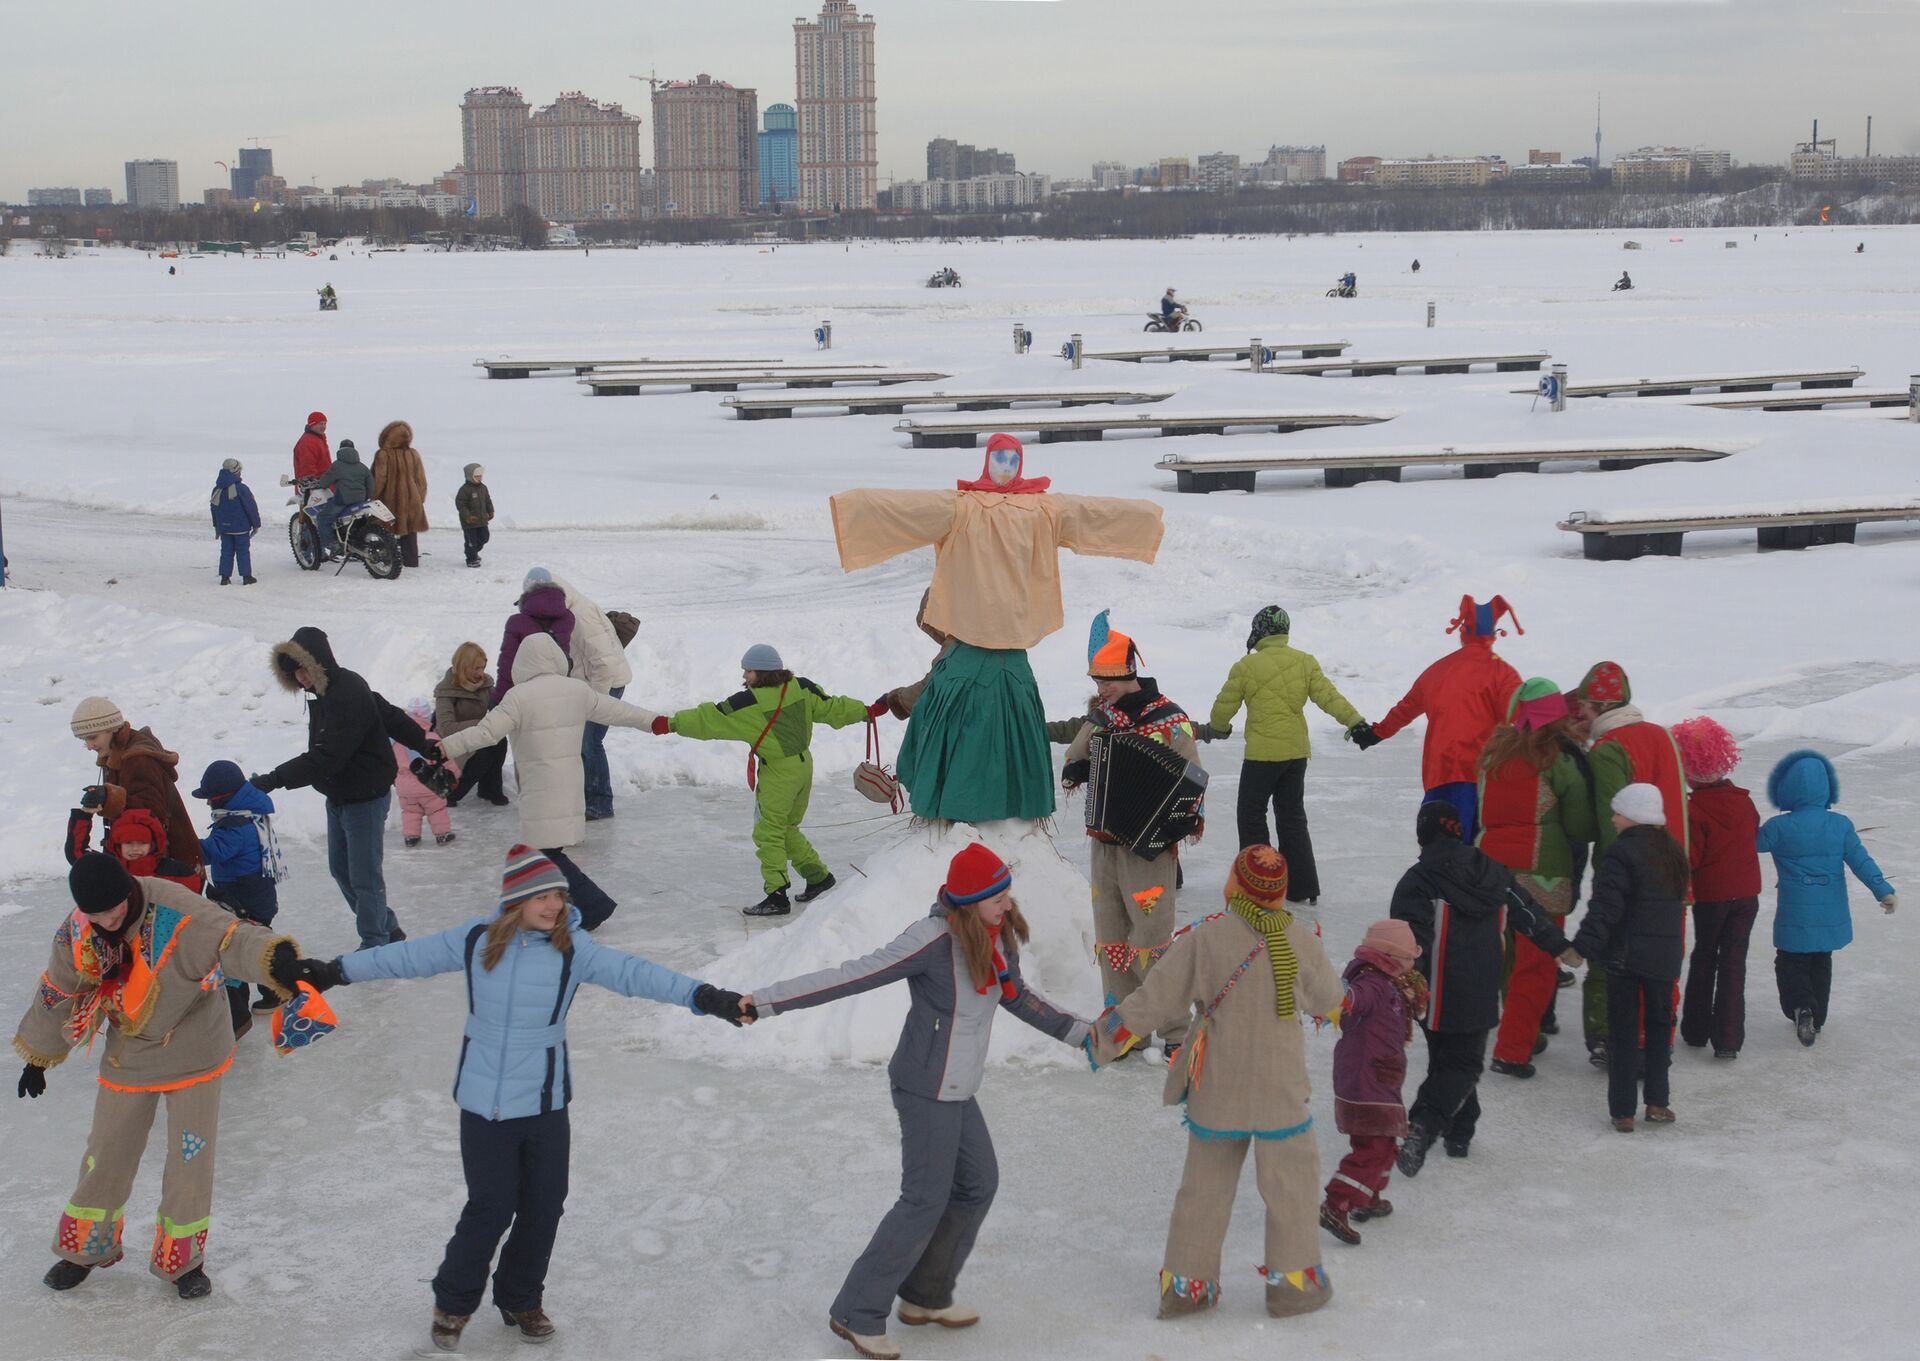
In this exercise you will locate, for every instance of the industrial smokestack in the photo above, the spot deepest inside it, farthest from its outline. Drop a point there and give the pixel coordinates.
(1869, 134)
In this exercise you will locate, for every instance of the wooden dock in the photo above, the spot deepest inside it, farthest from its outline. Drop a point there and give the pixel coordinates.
(633, 383)
(1231, 470)
(1372, 368)
(1202, 353)
(959, 432)
(897, 403)
(1617, 536)
(526, 368)
(1680, 385)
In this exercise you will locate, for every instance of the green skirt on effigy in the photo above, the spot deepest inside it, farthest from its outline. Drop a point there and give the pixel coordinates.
(976, 743)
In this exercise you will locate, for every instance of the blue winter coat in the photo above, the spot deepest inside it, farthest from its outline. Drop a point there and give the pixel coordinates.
(1810, 843)
(234, 511)
(513, 1059)
(231, 848)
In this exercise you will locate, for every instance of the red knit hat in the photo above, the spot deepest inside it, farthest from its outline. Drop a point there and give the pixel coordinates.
(1605, 684)
(316, 417)
(976, 874)
(137, 824)
(1259, 872)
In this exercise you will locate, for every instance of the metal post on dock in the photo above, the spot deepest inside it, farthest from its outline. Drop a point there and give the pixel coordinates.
(1429, 316)
(1256, 354)
(1559, 387)
(1022, 338)
(1913, 398)
(1078, 348)
(823, 335)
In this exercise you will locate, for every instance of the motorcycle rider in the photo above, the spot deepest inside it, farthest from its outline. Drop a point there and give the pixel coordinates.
(1170, 307)
(351, 484)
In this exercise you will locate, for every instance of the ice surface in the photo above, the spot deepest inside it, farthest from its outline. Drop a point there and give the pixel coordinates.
(720, 1193)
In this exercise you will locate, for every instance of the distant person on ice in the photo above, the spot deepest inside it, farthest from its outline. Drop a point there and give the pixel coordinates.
(474, 505)
(1812, 847)
(1170, 307)
(1623, 283)
(235, 519)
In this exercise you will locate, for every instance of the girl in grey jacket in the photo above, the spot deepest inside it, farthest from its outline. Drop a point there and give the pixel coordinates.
(961, 963)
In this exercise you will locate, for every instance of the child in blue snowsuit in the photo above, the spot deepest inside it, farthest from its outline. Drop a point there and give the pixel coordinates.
(1812, 846)
(236, 877)
(235, 517)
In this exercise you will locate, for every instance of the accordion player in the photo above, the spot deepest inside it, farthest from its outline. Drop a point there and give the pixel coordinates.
(1141, 793)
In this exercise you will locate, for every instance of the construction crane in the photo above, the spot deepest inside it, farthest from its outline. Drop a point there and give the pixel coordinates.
(263, 136)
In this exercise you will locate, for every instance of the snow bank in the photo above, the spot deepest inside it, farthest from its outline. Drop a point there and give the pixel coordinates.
(871, 906)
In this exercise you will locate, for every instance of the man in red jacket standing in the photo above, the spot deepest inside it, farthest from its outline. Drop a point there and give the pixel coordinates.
(1464, 696)
(311, 457)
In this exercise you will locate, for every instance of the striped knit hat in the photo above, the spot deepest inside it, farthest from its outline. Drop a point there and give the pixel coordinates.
(975, 875)
(1259, 872)
(528, 873)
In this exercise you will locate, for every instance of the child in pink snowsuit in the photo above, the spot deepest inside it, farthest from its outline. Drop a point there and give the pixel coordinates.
(416, 800)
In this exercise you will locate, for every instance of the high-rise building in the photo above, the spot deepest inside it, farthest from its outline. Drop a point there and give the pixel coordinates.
(53, 198)
(780, 154)
(705, 148)
(839, 154)
(951, 160)
(583, 160)
(99, 198)
(1652, 168)
(1111, 175)
(1219, 172)
(153, 184)
(493, 144)
(1439, 172)
(1175, 171)
(1292, 164)
(1538, 157)
(252, 163)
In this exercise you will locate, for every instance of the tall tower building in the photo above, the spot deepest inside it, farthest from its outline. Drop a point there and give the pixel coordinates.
(493, 141)
(583, 160)
(153, 184)
(252, 163)
(705, 148)
(839, 153)
(780, 155)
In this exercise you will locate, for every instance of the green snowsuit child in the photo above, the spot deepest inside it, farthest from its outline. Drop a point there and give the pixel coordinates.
(774, 716)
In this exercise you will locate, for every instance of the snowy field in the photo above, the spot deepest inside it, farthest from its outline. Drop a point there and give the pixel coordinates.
(723, 1182)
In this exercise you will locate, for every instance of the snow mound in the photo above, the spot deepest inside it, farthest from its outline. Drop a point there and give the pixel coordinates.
(871, 908)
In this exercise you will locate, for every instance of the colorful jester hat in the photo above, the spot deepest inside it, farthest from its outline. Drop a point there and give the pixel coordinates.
(1111, 655)
(1535, 704)
(1475, 622)
(1001, 469)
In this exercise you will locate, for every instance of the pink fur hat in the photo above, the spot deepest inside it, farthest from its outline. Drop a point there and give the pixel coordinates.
(1707, 750)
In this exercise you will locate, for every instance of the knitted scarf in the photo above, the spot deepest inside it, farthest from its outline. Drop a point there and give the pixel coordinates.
(1000, 970)
(1272, 925)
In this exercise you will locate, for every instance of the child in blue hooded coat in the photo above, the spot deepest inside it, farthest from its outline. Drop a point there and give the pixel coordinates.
(1811, 844)
(234, 851)
(235, 517)
(513, 1081)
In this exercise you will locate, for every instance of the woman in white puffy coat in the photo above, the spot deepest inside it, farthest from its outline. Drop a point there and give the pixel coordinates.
(600, 661)
(542, 718)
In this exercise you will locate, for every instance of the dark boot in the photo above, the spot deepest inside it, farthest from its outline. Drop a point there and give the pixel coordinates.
(194, 1285)
(1377, 1208)
(1540, 1043)
(812, 891)
(1413, 1151)
(1804, 1027)
(1511, 1069)
(266, 1002)
(65, 1275)
(446, 1330)
(775, 904)
(1549, 1024)
(1456, 1148)
(534, 1325)
(1334, 1220)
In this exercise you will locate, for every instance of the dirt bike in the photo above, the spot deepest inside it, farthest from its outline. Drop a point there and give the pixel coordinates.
(944, 278)
(1177, 321)
(363, 534)
(1344, 290)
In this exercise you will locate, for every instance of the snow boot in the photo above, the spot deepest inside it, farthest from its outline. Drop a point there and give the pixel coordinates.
(1377, 1208)
(396, 933)
(1540, 1044)
(445, 840)
(1413, 1152)
(1565, 980)
(410, 842)
(249, 581)
(534, 1325)
(1333, 1219)
(1549, 1024)
(1597, 1054)
(1660, 1115)
(1456, 1148)
(226, 581)
(65, 1275)
(594, 815)
(266, 1002)
(194, 1285)
(775, 904)
(1726, 1053)
(243, 1025)
(812, 891)
(1511, 1069)
(873, 1346)
(1624, 1125)
(953, 1316)
(497, 800)
(1804, 1027)
(445, 1335)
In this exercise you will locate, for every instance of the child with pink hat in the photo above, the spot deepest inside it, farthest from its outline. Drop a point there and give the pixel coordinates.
(1722, 843)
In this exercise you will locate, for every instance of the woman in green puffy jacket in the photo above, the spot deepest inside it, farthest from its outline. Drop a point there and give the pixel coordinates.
(774, 716)
(1274, 682)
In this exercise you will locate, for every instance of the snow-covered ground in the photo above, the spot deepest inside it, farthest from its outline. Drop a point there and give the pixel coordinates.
(720, 1190)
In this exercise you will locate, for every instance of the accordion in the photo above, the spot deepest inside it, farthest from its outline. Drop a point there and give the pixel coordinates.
(1141, 793)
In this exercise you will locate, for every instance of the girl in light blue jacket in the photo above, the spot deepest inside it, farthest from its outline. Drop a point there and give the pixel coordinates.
(513, 1081)
(1812, 848)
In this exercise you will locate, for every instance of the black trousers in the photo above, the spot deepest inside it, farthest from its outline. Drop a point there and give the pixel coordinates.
(1284, 785)
(516, 1179)
(482, 770)
(1805, 979)
(409, 550)
(476, 537)
(594, 902)
(1715, 1008)
(1627, 993)
(1448, 1102)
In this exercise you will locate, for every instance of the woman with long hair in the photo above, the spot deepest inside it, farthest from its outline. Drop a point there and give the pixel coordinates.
(961, 963)
(461, 700)
(523, 967)
(1536, 815)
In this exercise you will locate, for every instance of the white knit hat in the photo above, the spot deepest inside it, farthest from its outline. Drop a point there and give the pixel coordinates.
(1641, 803)
(94, 715)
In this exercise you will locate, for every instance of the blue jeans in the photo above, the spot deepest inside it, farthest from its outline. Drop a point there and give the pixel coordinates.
(356, 846)
(593, 755)
(324, 516)
(236, 546)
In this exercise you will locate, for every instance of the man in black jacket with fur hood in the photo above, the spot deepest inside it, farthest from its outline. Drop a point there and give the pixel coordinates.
(1459, 902)
(349, 761)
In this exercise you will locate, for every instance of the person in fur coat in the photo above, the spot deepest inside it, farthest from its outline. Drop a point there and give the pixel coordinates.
(1385, 996)
(1254, 972)
(400, 481)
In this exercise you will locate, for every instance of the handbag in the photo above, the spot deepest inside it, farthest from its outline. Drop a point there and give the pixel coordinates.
(876, 780)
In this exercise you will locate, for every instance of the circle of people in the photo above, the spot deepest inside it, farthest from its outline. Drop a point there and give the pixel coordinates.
(1524, 783)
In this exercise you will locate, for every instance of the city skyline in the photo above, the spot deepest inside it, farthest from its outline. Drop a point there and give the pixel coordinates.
(1133, 80)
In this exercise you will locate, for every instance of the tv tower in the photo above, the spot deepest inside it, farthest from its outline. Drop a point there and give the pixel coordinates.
(1596, 132)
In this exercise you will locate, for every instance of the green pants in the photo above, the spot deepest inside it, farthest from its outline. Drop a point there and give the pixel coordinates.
(785, 785)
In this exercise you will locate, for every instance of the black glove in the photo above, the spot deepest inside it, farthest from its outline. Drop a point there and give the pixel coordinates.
(33, 1080)
(1209, 732)
(433, 752)
(1362, 736)
(1074, 773)
(266, 784)
(94, 797)
(718, 1002)
(283, 966)
(322, 974)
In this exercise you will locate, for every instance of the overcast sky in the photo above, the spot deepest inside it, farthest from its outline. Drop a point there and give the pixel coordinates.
(345, 90)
